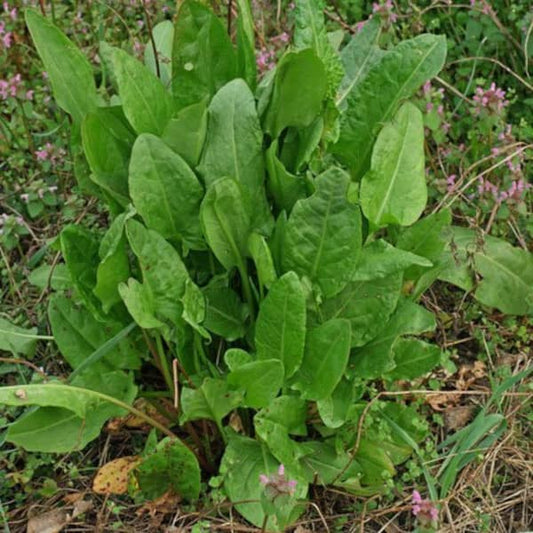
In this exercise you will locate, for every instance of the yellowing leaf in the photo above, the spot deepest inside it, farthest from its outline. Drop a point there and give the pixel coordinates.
(113, 477)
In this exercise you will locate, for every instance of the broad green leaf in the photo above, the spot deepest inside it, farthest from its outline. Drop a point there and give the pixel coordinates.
(326, 354)
(285, 188)
(506, 271)
(172, 466)
(323, 464)
(375, 463)
(236, 357)
(57, 275)
(139, 302)
(165, 191)
(334, 409)
(376, 358)
(164, 273)
(163, 35)
(78, 334)
(323, 234)
(17, 340)
(358, 57)
(225, 314)
(80, 251)
(185, 132)
(380, 259)
(366, 304)
(275, 434)
(114, 265)
(394, 190)
(425, 238)
(70, 72)
(234, 147)
(310, 32)
(226, 222)
(71, 415)
(413, 358)
(399, 73)
(280, 326)
(264, 264)
(213, 401)
(291, 411)
(194, 304)
(107, 141)
(203, 59)
(299, 89)
(259, 380)
(246, 62)
(243, 462)
(507, 282)
(146, 103)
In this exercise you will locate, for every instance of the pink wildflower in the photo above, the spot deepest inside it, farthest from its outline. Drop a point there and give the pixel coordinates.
(277, 484)
(426, 88)
(360, 25)
(385, 11)
(424, 510)
(42, 155)
(493, 99)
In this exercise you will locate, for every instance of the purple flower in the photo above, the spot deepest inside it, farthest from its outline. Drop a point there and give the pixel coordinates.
(277, 484)
(424, 510)
(385, 12)
(42, 155)
(492, 99)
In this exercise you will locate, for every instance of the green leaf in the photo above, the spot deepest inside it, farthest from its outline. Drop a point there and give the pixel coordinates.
(164, 273)
(280, 326)
(366, 304)
(413, 358)
(376, 358)
(310, 32)
(234, 147)
(78, 334)
(194, 304)
(80, 251)
(17, 340)
(107, 141)
(425, 238)
(70, 73)
(334, 409)
(172, 466)
(165, 191)
(394, 190)
(203, 59)
(163, 35)
(246, 62)
(260, 381)
(185, 133)
(140, 304)
(213, 401)
(264, 264)
(243, 462)
(507, 273)
(58, 276)
(225, 313)
(323, 464)
(114, 266)
(285, 188)
(299, 89)
(380, 259)
(146, 103)
(326, 356)
(323, 234)
(399, 73)
(358, 57)
(71, 415)
(226, 222)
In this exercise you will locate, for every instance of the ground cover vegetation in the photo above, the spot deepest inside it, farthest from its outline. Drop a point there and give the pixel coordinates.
(266, 265)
